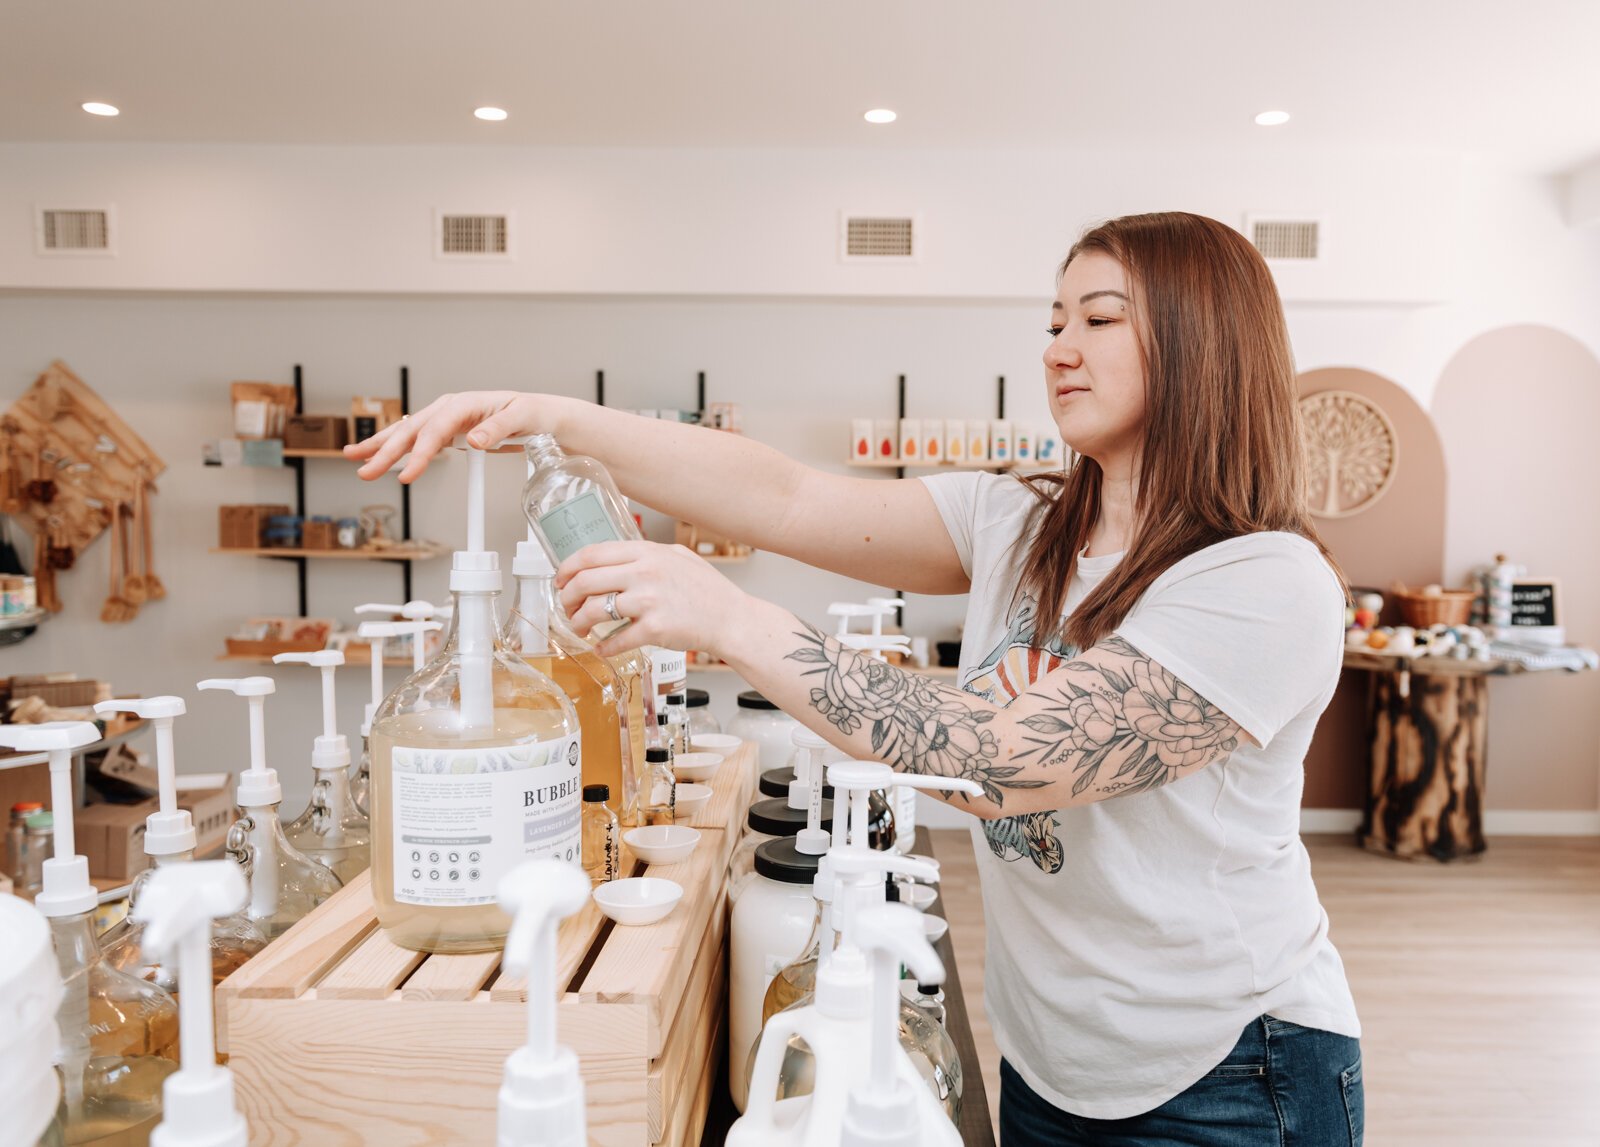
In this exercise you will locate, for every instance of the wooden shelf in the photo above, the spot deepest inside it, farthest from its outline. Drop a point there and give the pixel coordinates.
(410, 554)
(897, 464)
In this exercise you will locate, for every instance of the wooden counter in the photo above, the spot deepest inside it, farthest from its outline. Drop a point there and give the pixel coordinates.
(338, 1037)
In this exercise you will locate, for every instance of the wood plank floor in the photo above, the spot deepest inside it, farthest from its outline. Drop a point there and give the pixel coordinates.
(1478, 986)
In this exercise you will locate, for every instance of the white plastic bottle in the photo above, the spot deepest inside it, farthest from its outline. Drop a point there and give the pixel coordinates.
(30, 993)
(475, 768)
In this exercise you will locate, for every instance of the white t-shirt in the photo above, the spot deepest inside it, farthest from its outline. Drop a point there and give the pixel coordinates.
(1130, 941)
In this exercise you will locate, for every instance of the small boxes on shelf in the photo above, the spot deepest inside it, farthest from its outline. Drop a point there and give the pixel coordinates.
(316, 432)
(319, 533)
(245, 527)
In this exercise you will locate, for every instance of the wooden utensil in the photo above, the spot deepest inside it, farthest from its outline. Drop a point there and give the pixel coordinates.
(117, 608)
(59, 554)
(43, 487)
(133, 590)
(153, 588)
(43, 576)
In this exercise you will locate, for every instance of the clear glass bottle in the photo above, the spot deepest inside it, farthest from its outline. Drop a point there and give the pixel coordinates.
(661, 800)
(16, 838)
(571, 502)
(678, 722)
(539, 631)
(285, 884)
(332, 830)
(234, 939)
(602, 836)
(37, 830)
(475, 768)
(119, 1042)
(701, 719)
(633, 674)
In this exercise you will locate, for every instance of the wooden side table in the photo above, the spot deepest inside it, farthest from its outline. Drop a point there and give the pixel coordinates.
(1428, 738)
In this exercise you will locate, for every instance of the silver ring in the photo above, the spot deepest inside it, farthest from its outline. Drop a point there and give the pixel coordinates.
(611, 608)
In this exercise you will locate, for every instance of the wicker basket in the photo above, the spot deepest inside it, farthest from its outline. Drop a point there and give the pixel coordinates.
(1447, 607)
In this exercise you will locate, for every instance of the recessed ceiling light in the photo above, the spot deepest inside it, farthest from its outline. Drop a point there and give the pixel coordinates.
(880, 115)
(493, 114)
(1272, 119)
(101, 109)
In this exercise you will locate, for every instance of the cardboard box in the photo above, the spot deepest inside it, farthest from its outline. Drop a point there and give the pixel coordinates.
(60, 690)
(112, 837)
(316, 432)
(213, 812)
(242, 527)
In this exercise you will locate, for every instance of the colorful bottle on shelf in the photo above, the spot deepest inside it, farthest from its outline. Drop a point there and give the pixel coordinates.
(538, 630)
(332, 830)
(285, 883)
(169, 839)
(119, 1034)
(476, 768)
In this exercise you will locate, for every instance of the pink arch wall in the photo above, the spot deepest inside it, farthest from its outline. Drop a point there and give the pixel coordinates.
(1518, 410)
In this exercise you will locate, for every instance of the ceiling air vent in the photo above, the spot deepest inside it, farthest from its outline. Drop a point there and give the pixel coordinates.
(460, 236)
(878, 239)
(1278, 237)
(74, 231)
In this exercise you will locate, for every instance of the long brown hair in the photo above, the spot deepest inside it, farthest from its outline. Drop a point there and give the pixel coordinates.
(1221, 454)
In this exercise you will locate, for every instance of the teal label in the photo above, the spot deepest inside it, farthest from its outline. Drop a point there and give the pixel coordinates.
(579, 522)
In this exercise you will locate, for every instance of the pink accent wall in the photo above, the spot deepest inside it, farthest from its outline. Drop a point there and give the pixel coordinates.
(1518, 410)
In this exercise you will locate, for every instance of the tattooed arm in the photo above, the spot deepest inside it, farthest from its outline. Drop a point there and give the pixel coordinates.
(1111, 722)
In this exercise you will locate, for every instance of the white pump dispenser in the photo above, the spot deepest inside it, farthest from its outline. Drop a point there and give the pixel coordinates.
(169, 830)
(177, 908)
(884, 1109)
(542, 1096)
(67, 889)
(421, 617)
(285, 884)
(332, 830)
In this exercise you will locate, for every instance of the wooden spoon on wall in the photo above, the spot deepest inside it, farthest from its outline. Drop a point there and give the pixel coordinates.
(44, 575)
(133, 590)
(117, 608)
(153, 588)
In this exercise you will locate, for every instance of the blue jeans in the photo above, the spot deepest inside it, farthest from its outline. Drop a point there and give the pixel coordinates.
(1282, 1085)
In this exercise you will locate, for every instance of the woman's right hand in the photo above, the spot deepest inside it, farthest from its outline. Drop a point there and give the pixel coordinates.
(484, 416)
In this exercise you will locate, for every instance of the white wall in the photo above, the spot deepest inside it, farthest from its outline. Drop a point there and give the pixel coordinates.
(239, 262)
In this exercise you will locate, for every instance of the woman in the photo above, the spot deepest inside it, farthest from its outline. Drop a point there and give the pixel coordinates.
(1150, 639)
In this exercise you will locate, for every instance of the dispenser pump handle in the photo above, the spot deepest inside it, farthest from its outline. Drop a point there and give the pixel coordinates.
(169, 830)
(326, 660)
(52, 736)
(177, 907)
(897, 930)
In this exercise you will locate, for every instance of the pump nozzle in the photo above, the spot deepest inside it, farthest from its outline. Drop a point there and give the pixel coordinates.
(169, 830)
(416, 610)
(542, 1096)
(258, 785)
(331, 750)
(883, 1110)
(177, 907)
(67, 890)
(376, 632)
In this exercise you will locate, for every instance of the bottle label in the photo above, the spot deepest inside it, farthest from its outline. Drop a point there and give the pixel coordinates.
(668, 668)
(576, 523)
(463, 818)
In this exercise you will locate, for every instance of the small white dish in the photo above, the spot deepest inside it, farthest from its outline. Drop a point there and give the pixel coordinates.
(638, 899)
(919, 896)
(662, 843)
(935, 927)
(697, 766)
(691, 799)
(724, 743)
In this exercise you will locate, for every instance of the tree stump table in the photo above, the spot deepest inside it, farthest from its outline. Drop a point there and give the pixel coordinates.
(1428, 737)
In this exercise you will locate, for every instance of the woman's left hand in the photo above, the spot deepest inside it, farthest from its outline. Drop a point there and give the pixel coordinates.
(675, 599)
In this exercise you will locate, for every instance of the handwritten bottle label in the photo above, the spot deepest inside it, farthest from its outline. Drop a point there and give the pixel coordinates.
(577, 522)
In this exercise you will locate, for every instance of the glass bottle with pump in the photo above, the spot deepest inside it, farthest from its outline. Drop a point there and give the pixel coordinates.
(602, 837)
(377, 633)
(169, 839)
(119, 1034)
(538, 630)
(285, 883)
(475, 769)
(332, 831)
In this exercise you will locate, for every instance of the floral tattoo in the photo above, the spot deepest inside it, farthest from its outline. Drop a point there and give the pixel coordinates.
(1118, 725)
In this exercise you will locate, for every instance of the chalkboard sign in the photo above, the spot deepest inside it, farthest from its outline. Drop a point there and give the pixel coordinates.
(1533, 603)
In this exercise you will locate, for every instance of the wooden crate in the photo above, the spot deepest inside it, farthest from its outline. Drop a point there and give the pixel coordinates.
(338, 1037)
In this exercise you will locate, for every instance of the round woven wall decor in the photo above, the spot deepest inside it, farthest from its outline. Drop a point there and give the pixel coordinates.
(1351, 452)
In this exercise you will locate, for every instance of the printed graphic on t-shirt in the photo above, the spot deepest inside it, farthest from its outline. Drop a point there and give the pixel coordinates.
(1006, 673)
